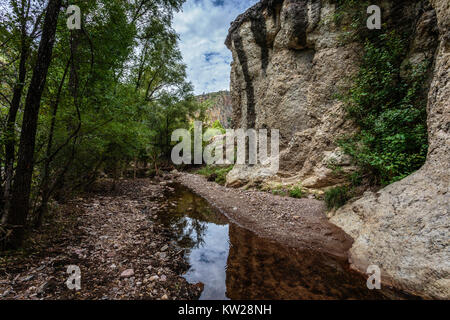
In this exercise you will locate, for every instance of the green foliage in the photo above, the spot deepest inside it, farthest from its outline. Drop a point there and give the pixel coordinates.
(215, 173)
(114, 93)
(355, 179)
(296, 192)
(390, 110)
(222, 174)
(293, 192)
(218, 126)
(279, 191)
(337, 197)
(351, 16)
(333, 165)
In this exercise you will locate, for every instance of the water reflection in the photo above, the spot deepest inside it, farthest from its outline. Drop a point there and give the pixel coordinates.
(234, 263)
(208, 263)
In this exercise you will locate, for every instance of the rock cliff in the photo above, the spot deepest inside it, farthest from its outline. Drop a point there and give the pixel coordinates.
(221, 108)
(289, 62)
(405, 227)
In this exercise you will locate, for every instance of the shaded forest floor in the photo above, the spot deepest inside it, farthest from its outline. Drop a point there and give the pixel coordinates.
(111, 236)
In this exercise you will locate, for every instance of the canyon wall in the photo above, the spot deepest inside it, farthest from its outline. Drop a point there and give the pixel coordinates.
(405, 227)
(289, 63)
(221, 108)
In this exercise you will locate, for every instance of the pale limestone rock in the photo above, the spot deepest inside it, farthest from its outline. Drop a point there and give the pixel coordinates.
(127, 273)
(284, 75)
(286, 80)
(289, 61)
(405, 227)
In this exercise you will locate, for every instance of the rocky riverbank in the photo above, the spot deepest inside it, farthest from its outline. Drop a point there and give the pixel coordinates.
(297, 223)
(110, 235)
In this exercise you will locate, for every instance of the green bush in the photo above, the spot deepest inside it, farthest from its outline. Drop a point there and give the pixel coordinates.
(355, 179)
(296, 192)
(217, 174)
(390, 110)
(337, 197)
(218, 126)
(279, 191)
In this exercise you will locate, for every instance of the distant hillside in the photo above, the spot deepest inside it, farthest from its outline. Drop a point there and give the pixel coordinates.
(221, 108)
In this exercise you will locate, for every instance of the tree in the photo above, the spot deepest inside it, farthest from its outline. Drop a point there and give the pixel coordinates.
(23, 14)
(97, 99)
(16, 217)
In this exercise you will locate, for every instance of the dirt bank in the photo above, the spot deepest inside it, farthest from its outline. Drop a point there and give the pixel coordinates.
(294, 222)
(122, 254)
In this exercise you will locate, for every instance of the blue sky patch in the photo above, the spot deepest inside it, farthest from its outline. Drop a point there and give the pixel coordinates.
(203, 26)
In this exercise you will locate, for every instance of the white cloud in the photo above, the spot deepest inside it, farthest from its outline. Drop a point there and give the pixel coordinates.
(203, 26)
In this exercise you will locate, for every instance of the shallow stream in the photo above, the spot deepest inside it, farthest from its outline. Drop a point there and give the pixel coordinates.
(235, 263)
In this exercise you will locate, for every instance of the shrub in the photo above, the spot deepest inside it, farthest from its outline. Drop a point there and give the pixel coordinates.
(296, 192)
(390, 111)
(355, 179)
(337, 197)
(217, 174)
(279, 191)
(218, 126)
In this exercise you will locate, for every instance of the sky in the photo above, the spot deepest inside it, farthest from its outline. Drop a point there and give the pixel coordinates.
(203, 26)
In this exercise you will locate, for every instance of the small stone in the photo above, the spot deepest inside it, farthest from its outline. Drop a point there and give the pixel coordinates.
(25, 279)
(165, 247)
(163, 278)
(162, 255)
(165, 297)
(5, 293)
(127, 273)
(153, 278)
(40, 268)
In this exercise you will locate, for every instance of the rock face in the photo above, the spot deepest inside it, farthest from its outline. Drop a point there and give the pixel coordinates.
(288, 63)
(221, 108)
(284, 75)
(405, 228)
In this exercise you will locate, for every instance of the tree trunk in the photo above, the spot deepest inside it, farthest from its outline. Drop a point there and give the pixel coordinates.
(22, 183)
(46, 189)
(12, 115)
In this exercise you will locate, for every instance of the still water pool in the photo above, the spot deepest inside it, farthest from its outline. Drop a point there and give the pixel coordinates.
(234, 263)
